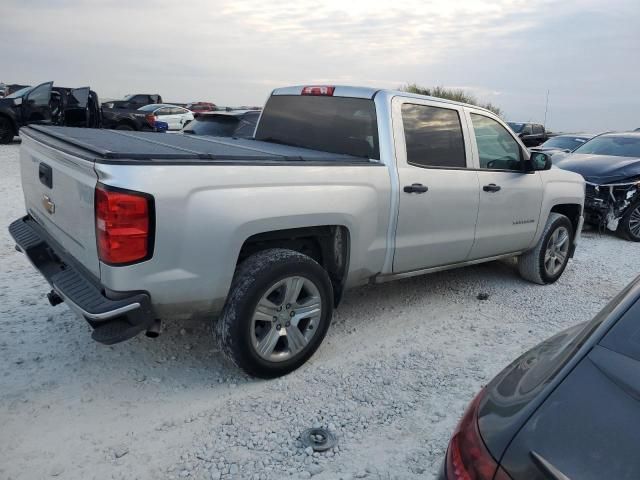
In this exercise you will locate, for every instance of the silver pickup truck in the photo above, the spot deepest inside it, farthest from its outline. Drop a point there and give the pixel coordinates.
(342, 186)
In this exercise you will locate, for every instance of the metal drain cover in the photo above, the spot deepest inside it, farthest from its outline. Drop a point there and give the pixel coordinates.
(319, 439)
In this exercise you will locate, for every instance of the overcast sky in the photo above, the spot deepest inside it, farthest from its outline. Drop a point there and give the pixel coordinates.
(509, 52)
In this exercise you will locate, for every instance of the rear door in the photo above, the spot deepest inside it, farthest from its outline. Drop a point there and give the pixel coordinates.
(510, 199)
(59, 195)
(438, 189)
(36, 106)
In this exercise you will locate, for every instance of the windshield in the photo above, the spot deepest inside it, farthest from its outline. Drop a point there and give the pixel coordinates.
(564, 143)
(340, 125)
(218, 126)
(516, 127)
(19, 93)
(615, 145)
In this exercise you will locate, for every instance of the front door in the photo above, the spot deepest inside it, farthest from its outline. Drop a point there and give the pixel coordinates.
(438, 205)
(36, 106)
(76, 112)
(510, 198)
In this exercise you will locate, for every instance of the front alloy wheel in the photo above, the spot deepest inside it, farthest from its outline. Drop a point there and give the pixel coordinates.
(557, 250)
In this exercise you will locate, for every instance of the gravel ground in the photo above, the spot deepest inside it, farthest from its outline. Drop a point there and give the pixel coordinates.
(400, 363)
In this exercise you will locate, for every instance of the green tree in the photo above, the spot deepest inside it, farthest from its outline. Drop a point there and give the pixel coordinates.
(455, 94)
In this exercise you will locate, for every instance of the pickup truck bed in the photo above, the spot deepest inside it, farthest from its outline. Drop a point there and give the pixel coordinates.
(123, 147)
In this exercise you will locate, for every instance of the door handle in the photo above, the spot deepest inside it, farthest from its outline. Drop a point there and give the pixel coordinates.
(492, 187)
(415, 188)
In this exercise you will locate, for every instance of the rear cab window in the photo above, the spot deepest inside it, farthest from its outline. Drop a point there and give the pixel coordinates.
(341, 125)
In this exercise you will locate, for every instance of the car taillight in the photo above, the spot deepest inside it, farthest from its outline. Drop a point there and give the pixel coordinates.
(467, 456)
(123, 225)
(318, 90)
(151, 119)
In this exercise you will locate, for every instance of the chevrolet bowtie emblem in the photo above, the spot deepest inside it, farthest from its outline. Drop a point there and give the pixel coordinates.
(48, 205)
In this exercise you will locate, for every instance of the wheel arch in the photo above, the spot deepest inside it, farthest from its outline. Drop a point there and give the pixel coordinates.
(329, 245)
(572, 211)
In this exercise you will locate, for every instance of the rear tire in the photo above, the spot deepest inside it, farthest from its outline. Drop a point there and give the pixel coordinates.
(6, 131)
(545, 263)
(259, 329)
(629, 226)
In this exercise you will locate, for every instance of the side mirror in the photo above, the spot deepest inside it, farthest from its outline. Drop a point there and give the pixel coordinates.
(17, 101)
(540, 161)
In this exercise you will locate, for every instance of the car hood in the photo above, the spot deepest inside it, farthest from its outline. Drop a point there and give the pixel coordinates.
(601, 169)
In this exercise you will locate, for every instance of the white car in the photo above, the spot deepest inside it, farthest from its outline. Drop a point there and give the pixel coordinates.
(176, 117)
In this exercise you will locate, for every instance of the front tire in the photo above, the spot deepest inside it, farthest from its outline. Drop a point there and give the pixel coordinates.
(546, 262)
(277, 313)
(629, 226)
(6, 131)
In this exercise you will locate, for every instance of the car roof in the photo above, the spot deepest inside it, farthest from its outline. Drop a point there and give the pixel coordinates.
(369, 93)
(622, 134)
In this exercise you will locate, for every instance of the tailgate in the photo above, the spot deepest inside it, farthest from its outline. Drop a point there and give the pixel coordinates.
(59, 195)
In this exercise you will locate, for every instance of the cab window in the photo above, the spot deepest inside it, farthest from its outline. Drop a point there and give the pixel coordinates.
(433, 136)
(497, 149)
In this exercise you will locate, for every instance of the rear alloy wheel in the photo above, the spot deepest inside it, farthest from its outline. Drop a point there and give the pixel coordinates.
(629, 225)
(548, 259)
(6, 131)
(276, 314)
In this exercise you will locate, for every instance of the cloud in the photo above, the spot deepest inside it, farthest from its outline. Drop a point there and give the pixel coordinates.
(509, 52)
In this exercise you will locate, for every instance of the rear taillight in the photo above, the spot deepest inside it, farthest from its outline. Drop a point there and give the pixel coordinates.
(467, 455)
(151, 119)
(124, 225)
(318, 90)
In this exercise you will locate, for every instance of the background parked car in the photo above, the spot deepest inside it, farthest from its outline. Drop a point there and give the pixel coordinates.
(134, 101)
(568, 408)
(610, 164)
(563, 143)
(197, 107)
(531, 134)
(240, 123)
(176, 117)
(46, 104)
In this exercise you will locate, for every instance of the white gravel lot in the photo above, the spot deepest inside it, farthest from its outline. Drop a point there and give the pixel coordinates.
(399, 364)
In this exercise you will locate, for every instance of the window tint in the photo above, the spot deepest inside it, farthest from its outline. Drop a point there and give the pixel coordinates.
(216, 126)
(538, 129)
(163, 111)
(340, 125)
(40, 96)
(527, 130)
(497, 149)
(177, 111)
(434, 136)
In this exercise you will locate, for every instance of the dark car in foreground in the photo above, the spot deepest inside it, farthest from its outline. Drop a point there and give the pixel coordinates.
(610, 165)
(565, 143)
(567, 409)
(239, 124)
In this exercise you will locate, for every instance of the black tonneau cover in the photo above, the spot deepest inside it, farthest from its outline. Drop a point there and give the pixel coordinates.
(115, 146)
